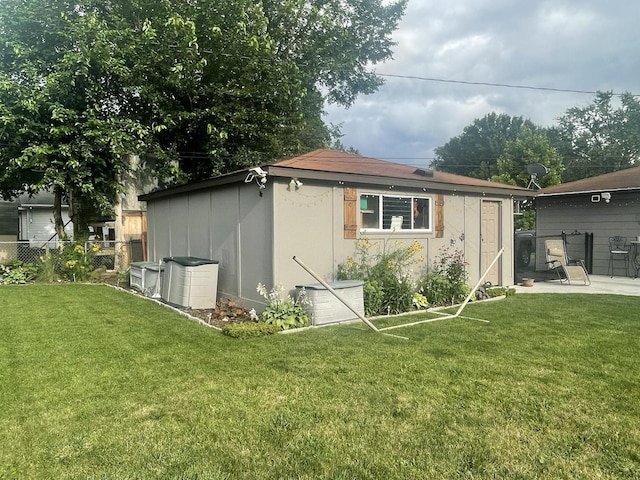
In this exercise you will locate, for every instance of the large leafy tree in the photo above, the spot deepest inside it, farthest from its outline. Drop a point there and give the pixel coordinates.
(601, 137)
(475, 152)
(62, 92)
(528, 147)
(215, 84)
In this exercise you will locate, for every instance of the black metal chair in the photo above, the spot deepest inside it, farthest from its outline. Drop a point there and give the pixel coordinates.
(618, 251)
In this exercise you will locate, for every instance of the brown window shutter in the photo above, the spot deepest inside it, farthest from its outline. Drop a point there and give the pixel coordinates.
(439, 215)
(350, 211)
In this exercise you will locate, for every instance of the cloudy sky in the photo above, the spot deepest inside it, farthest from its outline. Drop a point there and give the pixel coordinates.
(584, 45)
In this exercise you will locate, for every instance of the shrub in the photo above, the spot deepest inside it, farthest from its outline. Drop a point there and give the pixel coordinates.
(499, 291)
(419, 301)
(373, 296)
(76, 262)
(397, 293)
(250, 329)
(387, 283)
(446, 282)
(285, 312)
(49, 267)
(17, 272)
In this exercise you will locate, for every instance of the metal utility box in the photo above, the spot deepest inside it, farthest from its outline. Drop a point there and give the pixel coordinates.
(190, 282)
(325, 308)
(145, 276)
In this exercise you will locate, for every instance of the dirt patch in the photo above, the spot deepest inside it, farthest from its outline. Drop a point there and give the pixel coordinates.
(226, 312)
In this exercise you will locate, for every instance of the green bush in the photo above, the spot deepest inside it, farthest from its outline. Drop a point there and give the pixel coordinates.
(49, 267)
(398, 293)
(250, 329)
(387, 284)
(446, 282)
(285, 312)
(76, 262)
(17, 272)
(499, 291)
(373, 297)
(435, 287)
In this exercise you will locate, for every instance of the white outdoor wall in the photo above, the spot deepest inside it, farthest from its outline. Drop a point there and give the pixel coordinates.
(304, 226)
(309, 223)
(255, 219)
(37, 225)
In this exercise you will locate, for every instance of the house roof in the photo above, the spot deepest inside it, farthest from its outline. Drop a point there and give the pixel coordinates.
(627, 179)
(333, 165)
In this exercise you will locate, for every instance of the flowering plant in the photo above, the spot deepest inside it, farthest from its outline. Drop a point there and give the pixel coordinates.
(76, 261)
(285, 312)
(388, 285)
(446, 282)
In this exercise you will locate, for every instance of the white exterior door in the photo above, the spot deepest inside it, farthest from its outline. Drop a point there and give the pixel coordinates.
(490, 238)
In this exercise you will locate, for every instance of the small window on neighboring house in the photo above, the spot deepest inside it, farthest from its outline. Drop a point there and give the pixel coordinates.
(387, 212)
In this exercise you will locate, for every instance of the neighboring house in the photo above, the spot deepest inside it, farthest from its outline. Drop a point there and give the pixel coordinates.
(316, 206)
(605, 206)
(30, 219)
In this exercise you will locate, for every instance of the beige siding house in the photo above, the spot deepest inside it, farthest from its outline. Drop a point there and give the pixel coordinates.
(605, 206)
(316, 206)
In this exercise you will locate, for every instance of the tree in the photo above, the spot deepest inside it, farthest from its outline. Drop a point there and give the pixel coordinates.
(475, 152)
(62, 89)
(333, 42)
(528, 147)
(218, 85)
(601, 137)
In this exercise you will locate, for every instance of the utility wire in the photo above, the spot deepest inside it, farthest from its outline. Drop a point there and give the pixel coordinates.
(489, 84)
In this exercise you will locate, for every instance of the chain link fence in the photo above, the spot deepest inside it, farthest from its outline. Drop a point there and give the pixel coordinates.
(103, 253)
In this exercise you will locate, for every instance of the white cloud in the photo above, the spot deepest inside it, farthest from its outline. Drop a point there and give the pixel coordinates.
(587, 45)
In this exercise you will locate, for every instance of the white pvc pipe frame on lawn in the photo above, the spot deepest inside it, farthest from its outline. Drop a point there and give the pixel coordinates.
(380, 330)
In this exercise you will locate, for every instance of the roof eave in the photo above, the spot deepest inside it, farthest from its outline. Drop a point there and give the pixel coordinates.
(589, 192)
(377, 180)
(227, 179)
(351, 178)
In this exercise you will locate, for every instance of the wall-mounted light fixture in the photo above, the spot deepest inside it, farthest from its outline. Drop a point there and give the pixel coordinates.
(295, 184)
(257, 174)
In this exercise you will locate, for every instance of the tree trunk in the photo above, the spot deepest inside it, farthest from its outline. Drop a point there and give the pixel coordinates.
(57, 214)
(79, 217)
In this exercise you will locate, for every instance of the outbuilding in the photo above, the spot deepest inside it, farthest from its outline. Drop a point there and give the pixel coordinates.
(316, 206)
(588, 212)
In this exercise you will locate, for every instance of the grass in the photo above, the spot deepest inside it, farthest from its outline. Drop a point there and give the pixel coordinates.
(96, 383)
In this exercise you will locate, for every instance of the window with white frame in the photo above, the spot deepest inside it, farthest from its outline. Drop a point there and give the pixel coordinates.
(394, 212)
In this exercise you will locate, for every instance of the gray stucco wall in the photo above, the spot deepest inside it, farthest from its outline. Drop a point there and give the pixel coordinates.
(231, 225)
(568, 213)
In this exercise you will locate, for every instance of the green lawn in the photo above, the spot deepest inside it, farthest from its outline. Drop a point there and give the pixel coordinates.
(96, 383)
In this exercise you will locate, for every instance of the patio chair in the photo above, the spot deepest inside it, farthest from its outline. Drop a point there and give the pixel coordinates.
(568, 270)
(618, 250)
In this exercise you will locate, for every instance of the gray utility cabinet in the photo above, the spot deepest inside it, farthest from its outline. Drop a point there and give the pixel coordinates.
(145, 276)
(326, 308)
(190, 282)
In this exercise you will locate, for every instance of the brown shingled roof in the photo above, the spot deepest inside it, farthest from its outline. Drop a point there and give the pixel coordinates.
(333, 165)
(334, 161)
(627, 179)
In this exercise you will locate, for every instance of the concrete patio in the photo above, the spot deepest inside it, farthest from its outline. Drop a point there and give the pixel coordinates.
(605, 284)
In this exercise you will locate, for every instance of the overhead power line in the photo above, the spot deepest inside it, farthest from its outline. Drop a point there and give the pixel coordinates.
(489, 84)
